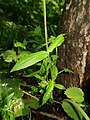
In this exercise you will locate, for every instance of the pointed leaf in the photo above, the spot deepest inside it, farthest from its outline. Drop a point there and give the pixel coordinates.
(49, 90)
(19, 44)
(59, 86)
(54, 72)
(75, 109)
(11, 86)
(29, 60)
(56, 43)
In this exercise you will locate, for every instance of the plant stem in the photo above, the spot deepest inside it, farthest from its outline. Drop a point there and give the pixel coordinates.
(31, 95)
(45, 23)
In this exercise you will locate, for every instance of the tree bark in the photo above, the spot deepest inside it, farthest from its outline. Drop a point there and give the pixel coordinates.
(75, 52)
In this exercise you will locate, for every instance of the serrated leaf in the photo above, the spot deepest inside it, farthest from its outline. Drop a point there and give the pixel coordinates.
(29, 60)
(59, 86)
(56, 43)
(54, 72)
(49, 90)
(71, 111)
(75, 93)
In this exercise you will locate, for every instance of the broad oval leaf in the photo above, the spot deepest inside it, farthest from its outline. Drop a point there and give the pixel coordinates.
(29, 60)
(56, 43)
(75, 93)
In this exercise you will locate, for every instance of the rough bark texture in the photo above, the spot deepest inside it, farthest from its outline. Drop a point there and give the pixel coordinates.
(75, 52)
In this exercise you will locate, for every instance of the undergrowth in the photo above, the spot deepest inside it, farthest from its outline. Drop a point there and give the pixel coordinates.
(38, 63)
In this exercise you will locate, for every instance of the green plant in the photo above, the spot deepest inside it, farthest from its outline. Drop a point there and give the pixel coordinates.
(12, 103)
(47, 75)
(73, 105)
(48, 66)
(14, 55)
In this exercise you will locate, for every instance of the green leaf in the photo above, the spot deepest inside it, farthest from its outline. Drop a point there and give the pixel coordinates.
(32, 102)
(56, 43)
(20, 108)
(19, 44)
(29, 60)
(54, 72)
(59, 86)
(37, 31)
(39, 77)
(23, 54)
(54, 58)
(49, 90)
(76, 108)
(33, 74)
(9, 55)
(34, 89)
(43, 84)
(71, 111)
(10, 86)
(75, 93)
(68, 70)
(44, 66)
(8, 97)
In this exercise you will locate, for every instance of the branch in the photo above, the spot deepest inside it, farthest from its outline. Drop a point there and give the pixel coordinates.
(48, 115)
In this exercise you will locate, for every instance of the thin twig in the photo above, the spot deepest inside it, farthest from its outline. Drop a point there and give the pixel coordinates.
(30, 95)
(48, 115)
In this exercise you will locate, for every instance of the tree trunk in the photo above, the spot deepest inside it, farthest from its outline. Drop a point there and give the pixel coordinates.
(75, 52)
